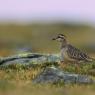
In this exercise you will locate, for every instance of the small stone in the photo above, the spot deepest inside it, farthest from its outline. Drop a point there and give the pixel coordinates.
(55, 75)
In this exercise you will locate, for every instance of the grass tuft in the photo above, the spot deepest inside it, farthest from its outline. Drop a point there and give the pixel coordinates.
(17, 79)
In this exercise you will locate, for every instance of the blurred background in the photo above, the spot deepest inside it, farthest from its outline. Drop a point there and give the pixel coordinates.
(30, 25)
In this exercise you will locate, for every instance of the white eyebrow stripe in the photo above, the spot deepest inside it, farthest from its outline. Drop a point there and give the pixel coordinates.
(61, 36)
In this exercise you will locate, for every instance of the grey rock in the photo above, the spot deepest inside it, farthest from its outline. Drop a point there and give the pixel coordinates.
(55, 75)
(27, 58)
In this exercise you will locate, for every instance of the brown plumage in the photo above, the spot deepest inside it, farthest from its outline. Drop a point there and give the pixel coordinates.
(69, 53)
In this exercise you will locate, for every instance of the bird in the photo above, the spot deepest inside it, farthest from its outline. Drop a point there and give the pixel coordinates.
(69, 53)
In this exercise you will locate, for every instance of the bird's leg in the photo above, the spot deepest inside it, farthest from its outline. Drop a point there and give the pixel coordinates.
(62, 64)
(77, 67)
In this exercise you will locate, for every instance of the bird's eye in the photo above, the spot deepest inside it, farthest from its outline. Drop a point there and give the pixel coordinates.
(58, 37)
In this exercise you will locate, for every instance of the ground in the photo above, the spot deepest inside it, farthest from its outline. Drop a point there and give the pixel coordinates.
(17, 80)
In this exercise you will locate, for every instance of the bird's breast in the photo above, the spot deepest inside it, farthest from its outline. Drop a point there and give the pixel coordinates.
(65, 56)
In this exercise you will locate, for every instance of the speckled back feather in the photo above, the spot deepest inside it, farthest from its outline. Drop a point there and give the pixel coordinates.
(77, 54)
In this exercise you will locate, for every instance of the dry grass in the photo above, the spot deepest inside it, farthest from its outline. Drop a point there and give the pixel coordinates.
(27, 88)
(17, 80)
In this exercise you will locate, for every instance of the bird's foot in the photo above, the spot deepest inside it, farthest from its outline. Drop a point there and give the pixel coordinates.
(62, 64)
(77, 68)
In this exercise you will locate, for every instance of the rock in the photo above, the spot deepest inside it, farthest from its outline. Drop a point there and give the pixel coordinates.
(27, 58)
(55, 75)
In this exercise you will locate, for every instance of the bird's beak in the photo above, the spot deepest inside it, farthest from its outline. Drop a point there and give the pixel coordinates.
(54, 38)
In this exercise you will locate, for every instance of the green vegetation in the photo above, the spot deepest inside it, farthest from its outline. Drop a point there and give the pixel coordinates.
(17, 79)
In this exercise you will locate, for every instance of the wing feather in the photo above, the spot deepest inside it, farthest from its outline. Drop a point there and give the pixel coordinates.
(77, 54)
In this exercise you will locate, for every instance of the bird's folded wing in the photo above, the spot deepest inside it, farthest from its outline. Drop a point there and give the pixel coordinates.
(75, 53)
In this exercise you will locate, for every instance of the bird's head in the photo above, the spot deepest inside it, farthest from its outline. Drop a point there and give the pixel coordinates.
(60, 38)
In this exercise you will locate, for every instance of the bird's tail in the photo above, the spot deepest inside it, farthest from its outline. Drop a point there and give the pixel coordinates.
(93, 59)
(90, 59)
